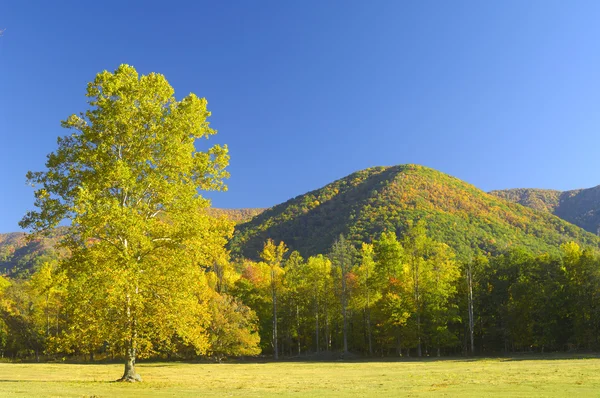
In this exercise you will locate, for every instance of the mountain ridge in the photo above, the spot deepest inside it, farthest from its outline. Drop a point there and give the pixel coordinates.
(369, 201)
(580, 207)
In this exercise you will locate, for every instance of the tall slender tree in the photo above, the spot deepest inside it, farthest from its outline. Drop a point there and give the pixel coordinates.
(366, 294)
(342, 256)
(273, 255)
(415, 244)
(319, 282)
(393, 280)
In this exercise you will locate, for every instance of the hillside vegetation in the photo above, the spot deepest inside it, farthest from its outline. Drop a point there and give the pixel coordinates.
(235, 215)
(18, 255)
(538, 199)
(580, 206)
(367, 202)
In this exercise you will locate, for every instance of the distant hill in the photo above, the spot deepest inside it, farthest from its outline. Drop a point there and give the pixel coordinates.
(19, 255)
(538, 199)
(580, 207)
(236, 215)
(365, 203)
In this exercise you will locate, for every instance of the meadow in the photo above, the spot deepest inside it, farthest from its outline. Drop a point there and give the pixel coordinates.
(549, 376)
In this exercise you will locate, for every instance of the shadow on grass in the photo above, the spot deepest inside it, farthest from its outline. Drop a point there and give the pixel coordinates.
(334, 358)
(549, 357)
(60, 381)
(500, 358)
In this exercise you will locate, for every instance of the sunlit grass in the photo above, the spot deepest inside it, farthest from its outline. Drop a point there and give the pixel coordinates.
(514, 377)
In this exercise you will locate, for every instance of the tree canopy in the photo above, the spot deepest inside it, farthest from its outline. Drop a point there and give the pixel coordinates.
(128, 180)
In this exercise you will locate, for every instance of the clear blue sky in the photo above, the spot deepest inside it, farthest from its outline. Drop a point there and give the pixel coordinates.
(500, 94)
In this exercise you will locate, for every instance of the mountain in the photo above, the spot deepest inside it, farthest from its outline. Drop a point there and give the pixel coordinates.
(367, 202)
(19, 255)
(580, 207)
(538, 199)
(235, 215)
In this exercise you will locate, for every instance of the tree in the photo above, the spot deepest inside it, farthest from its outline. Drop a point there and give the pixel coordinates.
(366, 293)
(21, 335)
(342, 256)
(583, 294)
(46, 288)
(440, 288)
(296, 294)
(393, 278)
(273, 255)
(433, 273)
(128, 179)
(319, 279)
(233, 329)
(473, 268)
(254, 290)
(469, 276)
(416, 245)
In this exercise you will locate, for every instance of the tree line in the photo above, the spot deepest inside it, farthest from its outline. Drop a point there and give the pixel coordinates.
(407, 296)
(412, 296)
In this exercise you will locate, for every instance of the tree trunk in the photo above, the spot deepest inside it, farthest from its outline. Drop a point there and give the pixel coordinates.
(298, 327)
(470, 304)
(417, 295)
(419, 353)
(317, 322)
(344, 309)
(47, 315)
(345, 331)
(289, 330)
(274, 297)
(327, 335)
(130, 374)
(369, 329)
(368, 310)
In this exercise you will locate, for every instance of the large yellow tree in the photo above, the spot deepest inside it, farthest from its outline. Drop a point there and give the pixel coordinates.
(128, 180)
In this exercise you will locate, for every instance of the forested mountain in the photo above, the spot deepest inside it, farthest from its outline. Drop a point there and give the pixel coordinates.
(19, 255)
(580, 206)
(367, 202)
(370, 201)
(538, 199)
(236, 215)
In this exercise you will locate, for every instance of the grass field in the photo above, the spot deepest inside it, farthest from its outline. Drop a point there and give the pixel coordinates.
(509, 377)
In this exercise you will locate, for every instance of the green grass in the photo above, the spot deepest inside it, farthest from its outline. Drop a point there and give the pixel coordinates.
(509, 377)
